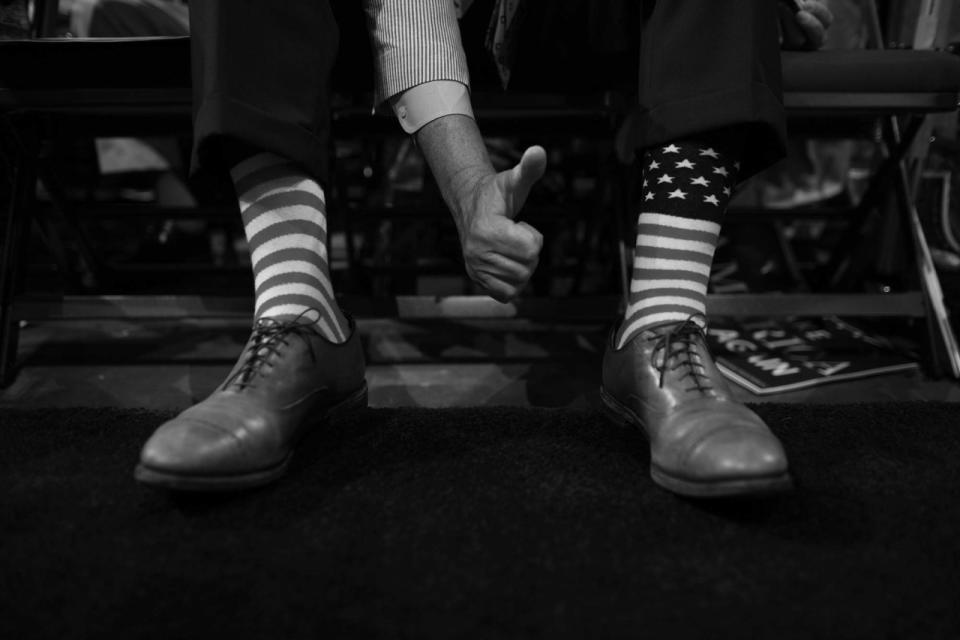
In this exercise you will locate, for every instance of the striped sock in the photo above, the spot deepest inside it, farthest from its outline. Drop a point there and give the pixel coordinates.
(686, 188)
(285, 221)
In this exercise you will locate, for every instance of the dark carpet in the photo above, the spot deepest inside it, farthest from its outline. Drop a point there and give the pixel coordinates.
(486, 523)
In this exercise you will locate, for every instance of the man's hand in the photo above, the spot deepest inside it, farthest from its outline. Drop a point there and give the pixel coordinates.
(499, 253)
(807, 28)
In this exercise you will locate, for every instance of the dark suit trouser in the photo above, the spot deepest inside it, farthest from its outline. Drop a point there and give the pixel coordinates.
(262, 71)
(711, 64)
(261, 80)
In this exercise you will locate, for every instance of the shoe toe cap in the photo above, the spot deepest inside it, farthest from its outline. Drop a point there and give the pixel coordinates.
(190, 447)
(738, 453)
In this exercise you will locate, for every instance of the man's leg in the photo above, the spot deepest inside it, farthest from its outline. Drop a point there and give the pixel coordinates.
(261, 102)
(285, 222)
(686, 187)
(710, 112)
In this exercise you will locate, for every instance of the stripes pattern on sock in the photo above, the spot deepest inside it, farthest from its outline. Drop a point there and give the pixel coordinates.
(686, 188)
(285, 222)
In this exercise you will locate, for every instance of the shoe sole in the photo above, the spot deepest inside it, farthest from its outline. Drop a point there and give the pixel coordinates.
(181, 482)
(736, 487)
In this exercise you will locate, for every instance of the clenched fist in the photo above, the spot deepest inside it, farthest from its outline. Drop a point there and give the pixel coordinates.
(500, 253)
(807, 28)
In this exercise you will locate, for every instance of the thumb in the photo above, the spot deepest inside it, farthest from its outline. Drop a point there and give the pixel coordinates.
(517, 182)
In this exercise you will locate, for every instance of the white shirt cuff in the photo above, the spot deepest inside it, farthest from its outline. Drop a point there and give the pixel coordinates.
(424, 103)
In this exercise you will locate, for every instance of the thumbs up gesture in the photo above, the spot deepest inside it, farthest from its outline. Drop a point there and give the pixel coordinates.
(500, 254)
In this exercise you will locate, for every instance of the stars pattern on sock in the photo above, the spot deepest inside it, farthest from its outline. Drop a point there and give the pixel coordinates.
(686, 188)
(690, 174)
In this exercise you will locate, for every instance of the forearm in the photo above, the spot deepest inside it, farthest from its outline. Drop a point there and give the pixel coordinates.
(457, 156)
(421, 68)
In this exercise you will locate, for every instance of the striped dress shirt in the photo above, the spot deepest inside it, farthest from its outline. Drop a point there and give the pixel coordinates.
(414, 42)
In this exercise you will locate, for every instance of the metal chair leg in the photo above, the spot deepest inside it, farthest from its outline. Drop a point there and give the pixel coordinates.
(11, 267)
(943, 343)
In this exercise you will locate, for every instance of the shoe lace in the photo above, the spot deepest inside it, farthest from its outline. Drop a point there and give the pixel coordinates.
(269, 335)
(680, 352)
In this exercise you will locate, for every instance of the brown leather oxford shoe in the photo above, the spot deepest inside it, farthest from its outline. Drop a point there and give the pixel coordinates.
(703, 442)
(288, 380)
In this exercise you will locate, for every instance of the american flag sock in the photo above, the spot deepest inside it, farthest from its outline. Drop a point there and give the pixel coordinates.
(285, 222)
(686, 188)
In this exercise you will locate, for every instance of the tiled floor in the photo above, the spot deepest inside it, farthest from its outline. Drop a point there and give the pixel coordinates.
(170, 365)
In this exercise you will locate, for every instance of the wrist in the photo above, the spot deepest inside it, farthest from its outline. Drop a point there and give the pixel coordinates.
(465, 194)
